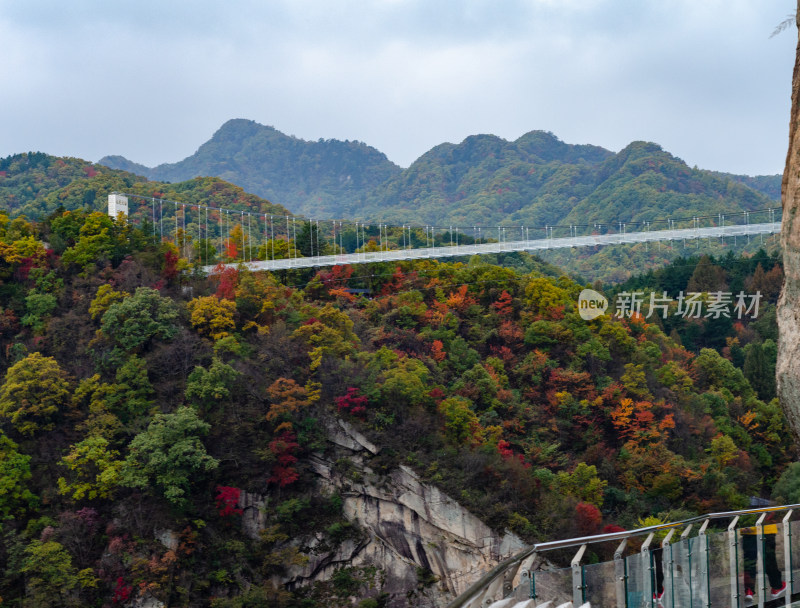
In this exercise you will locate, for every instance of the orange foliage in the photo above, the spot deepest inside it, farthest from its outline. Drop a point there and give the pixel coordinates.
(341, 293)
(635, 421)
(436, 313)
(747, 420)
(555, 313)
(287, 397)
(621, 415)
(511, 332)
(578, 384)
(459, 299)
(437, 351)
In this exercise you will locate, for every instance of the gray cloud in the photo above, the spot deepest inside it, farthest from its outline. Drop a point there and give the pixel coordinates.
(153, 80)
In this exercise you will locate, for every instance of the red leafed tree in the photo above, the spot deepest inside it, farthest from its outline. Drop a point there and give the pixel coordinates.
(395, 284)
(231, 251)
(283, 448)
(587, 517)
(504, 449)
(337, 276)
(122, 592)
(503, 305)
(24, 268)
(352, 402)
(170, 270)
(436, 394)
(228, 280)
(228, 501)
(503, 353)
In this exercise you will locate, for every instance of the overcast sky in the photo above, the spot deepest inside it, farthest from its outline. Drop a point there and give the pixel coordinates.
(153, 79)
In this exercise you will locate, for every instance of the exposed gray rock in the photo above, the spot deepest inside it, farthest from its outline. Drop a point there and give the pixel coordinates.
(405, 528)
(254, 513)
(342, 433)
(147, 601)
(168, 538)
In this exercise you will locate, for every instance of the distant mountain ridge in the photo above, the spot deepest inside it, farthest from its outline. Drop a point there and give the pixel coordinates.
(535, 180)
(308, 177)
(538, 180)
(766, 184)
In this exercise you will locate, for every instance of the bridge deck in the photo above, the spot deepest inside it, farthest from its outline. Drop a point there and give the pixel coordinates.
(597, 240)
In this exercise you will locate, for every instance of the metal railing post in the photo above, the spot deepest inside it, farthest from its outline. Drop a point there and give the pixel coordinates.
(508, 579)
(687, 546)
(647, 572)
(733, 558)
(621, 575)
(578, 588)
(760, 578)
(669, 591)
(787, 556)
(705, 569)
(526, 586)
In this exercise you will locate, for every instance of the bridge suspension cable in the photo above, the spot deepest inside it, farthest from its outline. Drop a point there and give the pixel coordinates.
(361, 242)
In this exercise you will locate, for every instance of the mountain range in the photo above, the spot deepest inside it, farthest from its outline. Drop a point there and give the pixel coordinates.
(535, 180)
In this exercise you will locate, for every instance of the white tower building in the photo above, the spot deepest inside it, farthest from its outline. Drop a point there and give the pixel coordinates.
(117, 203)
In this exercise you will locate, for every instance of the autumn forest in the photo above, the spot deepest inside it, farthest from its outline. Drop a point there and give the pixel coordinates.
(138, 394)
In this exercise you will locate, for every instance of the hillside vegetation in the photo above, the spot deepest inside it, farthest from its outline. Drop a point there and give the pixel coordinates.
(36, 184)
(138, 396)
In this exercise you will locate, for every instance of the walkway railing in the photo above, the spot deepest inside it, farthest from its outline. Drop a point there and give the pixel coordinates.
(267, 242)
(706, 561)
(395, 255)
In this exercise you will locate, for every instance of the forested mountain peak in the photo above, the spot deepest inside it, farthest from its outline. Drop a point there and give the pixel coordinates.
(123, 164)
(547, 147)
(312, 177)
(239, 129)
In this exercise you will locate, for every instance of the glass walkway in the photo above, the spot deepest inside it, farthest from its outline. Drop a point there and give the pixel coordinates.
(733, 559)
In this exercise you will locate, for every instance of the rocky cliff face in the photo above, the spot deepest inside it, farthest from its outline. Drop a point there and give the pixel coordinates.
(788, 366)
(425, 546)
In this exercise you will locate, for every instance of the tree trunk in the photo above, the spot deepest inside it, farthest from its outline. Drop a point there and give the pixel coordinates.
(788, 368)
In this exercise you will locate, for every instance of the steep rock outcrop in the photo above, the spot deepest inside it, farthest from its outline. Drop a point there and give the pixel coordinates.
(788, 365)
(429, 547)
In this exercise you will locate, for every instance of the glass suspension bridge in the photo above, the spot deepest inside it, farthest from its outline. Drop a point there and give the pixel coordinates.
(212, 236)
